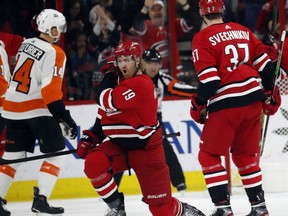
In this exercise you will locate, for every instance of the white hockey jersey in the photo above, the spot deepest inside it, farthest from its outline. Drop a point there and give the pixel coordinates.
(4, 74)
(36, 80)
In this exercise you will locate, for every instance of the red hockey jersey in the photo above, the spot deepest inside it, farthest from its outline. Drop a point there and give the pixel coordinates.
(128, 112)
(231, 54)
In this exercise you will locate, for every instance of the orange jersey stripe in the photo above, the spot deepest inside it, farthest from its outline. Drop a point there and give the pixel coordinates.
(3, 85)
(8, 170)
(53, 91)
(24, 106)
(50, 169)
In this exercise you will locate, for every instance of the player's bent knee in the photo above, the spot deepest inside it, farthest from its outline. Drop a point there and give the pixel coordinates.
(242, 161)
(96, 163)
(208, 160)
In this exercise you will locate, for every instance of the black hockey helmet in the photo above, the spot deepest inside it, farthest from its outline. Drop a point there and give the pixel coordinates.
(151, 55)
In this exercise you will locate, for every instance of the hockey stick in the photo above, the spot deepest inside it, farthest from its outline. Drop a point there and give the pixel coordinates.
(277, 71)
(172, 135)
(55, 154)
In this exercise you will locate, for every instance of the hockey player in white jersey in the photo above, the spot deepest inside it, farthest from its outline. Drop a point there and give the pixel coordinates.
(4, 78)
(33, 109)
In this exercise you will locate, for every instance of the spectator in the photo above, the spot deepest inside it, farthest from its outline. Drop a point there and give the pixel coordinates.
(81, 66)
(123, 11)
(263, 25)
(17, 14)
(154, 31)
(77, 21)
(251, 10)
(12, 43)
(105, 34)
(267, 31)
(126, 135)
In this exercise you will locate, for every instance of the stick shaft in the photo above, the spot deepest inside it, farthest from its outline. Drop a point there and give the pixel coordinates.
(172, 135)
(279, 57)
(55, 154)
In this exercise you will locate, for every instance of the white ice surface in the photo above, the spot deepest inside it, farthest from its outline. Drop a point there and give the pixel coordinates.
(276, 202)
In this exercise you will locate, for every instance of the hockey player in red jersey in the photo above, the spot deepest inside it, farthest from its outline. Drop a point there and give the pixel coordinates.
(33, 109)
(165, 84)
(231, 64)
(127, 136)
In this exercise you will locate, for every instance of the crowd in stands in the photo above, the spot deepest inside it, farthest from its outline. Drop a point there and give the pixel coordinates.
(95, 27)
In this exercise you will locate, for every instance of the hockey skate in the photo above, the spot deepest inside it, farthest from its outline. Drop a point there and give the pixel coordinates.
(259, 208)
(3, 211)
(189, 210)
(223, 209)
(116, 208)
(40, 205)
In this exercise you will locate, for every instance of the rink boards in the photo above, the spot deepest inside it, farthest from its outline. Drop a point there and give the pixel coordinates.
(73, 183)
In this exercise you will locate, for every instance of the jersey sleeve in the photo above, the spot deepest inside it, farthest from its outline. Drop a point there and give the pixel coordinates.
(128, 95)
(176, 87)
(4, 71)
(205, 66)
(52, 76)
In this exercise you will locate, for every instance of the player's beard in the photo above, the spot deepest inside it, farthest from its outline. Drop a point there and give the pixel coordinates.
(158, 20)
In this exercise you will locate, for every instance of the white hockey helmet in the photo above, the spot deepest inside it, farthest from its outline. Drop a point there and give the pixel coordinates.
(49, 18)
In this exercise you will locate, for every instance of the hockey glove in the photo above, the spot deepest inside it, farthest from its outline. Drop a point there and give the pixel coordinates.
(272, 50)
(68, 126)
(272, 104)
(86, 144)
(197, 112)
(110, 66)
